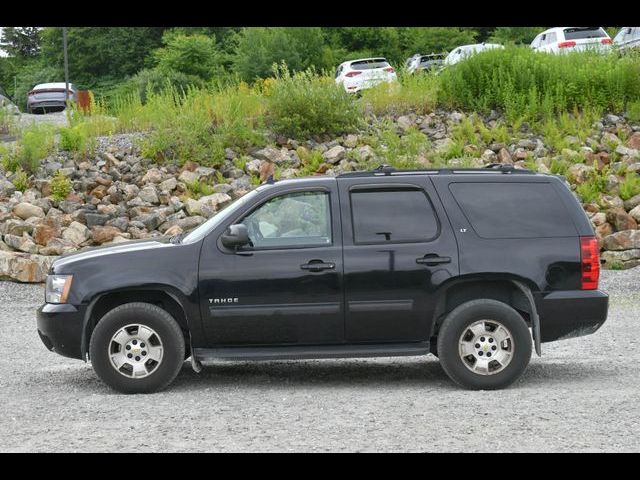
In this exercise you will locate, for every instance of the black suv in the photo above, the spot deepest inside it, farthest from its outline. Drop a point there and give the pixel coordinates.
(463, 264)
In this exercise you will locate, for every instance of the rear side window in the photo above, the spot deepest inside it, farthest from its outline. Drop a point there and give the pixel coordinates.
(513, 210)
(578, 33)
(392, 216)
(369, 64)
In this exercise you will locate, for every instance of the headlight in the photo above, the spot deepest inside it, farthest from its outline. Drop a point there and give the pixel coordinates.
(57, 288)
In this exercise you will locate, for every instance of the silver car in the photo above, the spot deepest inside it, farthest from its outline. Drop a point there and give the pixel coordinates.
(49, 97)
(627, 38)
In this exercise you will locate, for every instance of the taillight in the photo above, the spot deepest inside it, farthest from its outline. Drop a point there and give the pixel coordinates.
(352, 74)
(389, 69)
(566, 44)
(606, 41)
(589, 262)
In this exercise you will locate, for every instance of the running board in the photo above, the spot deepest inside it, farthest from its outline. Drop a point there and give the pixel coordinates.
(311, 352)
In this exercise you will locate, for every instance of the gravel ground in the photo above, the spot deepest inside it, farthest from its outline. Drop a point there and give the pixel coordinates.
(582, 395)
(58, 119)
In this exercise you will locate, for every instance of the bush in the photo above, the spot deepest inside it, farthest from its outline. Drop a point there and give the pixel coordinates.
(306, 103)
(522, 82)
(75, 139)
(414, 93)
(151, 81)
(195, 125)
(630, 186)
(60, 186)
(198, 189)
(21, 180)
(193, 55)
(34, 144)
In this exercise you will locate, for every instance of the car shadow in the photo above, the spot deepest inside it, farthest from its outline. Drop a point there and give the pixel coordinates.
(312, 373)
(415, 372)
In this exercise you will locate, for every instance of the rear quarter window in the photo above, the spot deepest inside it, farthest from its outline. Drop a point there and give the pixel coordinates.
(513, 210)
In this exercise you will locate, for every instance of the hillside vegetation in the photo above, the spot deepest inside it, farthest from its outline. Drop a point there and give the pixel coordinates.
(190, 150)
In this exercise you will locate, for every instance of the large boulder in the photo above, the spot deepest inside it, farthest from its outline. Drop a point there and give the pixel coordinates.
(335, 154)
(271, 154)
(621, 220)
(76, 233)
(24, 267)
(6, 187)
(210, 204)
(621, 259)
(625, 240)
(26, 210)
(102, 235)
(22, 243)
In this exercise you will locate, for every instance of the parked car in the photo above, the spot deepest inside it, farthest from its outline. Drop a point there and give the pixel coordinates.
(357, 75)
(628, 38)
(49, 97)
(365, 264)
(465, 51)
(425, 62)
(571, 39)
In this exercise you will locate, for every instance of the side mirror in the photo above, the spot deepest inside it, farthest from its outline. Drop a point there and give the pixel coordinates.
(235, 237)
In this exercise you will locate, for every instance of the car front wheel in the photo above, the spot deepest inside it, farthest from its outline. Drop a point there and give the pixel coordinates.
(484, 345)
(137, 348)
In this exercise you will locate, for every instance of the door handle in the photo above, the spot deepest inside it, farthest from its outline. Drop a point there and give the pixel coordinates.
(318, 266)
(432, 260)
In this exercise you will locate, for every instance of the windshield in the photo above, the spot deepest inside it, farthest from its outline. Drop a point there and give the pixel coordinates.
(200, 232)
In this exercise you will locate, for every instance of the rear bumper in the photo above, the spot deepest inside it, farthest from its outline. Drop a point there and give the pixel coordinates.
(60, 328)
(47, 104)
(571, 313)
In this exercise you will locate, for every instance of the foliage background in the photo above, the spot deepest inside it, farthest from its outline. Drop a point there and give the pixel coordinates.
(116, 59)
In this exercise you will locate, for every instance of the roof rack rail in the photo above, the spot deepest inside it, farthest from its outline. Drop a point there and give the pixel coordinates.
(388, 170)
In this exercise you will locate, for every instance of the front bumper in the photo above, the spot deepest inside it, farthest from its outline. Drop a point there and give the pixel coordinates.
(60, 328)
(571, 313)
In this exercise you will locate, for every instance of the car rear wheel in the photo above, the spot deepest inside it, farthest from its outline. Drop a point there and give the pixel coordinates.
(484, 345)
(137, 348)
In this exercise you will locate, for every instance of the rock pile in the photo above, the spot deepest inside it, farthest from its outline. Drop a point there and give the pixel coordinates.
(117, 195)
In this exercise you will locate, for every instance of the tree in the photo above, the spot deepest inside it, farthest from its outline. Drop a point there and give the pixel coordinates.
(258, 48)
(98, 53)
(426, 40)
(523, 35)
(21, 41)
(195, 55)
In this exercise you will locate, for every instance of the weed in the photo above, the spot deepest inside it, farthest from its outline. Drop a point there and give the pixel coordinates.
(60, 186)
(21, 180)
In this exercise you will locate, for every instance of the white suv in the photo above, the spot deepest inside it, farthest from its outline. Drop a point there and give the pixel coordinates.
(356, 75)
(627, 38)
(465, 51)
(567, 39)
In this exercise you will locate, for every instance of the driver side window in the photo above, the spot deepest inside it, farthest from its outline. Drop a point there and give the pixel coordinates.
(301, 219)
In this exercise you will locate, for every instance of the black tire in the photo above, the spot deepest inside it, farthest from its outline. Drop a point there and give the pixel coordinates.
(148, 315)
(459, 320)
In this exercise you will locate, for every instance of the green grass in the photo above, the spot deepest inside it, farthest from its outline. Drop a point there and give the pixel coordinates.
(630, 186)
(199, 189)
(417, 93)
(522, 82)
(400, 151)
(34, 144)
(21, 180)
(310, 159)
